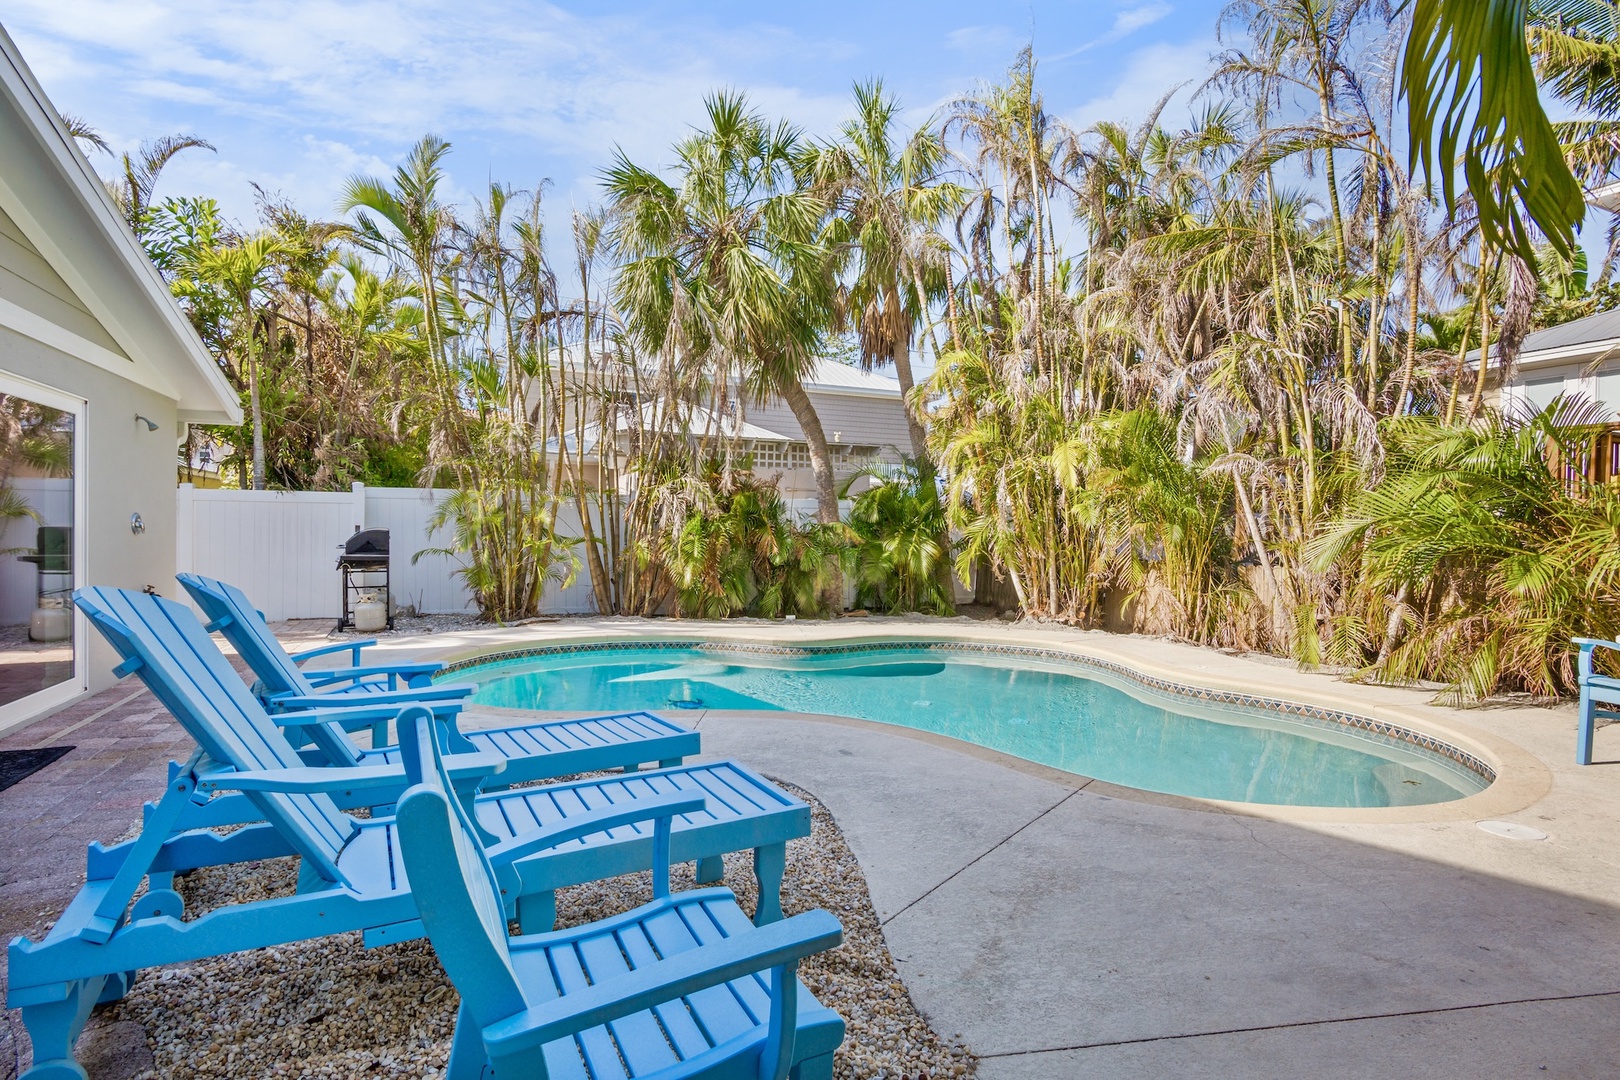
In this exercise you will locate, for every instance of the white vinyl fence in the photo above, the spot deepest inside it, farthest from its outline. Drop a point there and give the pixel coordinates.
(281, 548)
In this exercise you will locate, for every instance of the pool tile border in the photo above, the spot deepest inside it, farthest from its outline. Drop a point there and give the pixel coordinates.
(1312, 714)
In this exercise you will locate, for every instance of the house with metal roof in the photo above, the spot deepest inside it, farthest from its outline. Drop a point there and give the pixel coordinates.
(1578, 357)
(860, 412)
(100, 372)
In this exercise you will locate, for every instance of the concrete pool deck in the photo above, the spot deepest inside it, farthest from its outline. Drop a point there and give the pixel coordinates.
(1065, 928)
(1069, 928)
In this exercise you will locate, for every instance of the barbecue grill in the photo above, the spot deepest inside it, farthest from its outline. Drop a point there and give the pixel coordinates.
(364, 559)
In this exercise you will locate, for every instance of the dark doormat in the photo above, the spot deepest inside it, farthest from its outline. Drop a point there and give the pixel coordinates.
(18, 765)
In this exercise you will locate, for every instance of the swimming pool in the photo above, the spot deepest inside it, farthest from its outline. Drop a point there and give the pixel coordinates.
(1067, 713)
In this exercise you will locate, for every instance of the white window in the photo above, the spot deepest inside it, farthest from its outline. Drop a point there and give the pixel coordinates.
(1608, 390)
(1538, 392)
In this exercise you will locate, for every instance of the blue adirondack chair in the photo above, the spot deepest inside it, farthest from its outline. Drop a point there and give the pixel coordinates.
(232, 613)
(682, 987)
(534, 751)
(350, 877)
(1596, 689)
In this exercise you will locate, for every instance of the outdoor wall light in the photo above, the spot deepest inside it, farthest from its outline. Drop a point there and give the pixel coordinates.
(151, 425)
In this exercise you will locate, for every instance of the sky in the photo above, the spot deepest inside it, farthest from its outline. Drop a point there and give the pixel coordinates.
(298, 95)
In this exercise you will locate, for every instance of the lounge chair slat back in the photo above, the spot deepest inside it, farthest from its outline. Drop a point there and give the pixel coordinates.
(183, 668)
(248, 633)
(464, 909)
(229, 610)
(647, 1019)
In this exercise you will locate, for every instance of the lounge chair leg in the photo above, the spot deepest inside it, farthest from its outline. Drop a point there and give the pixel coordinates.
(537, 912)
(467, 1055)
(54, 1027)
(117, 987)
(670, 763)
(1583, 733)
(817, 1068)
(769, 863)
(631, 768)
(710, 870)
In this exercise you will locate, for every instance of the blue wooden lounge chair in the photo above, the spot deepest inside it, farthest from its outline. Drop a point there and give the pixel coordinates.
(229, 611)
(682, 987)
(1596, 689)
(350, 877)
(535, 751)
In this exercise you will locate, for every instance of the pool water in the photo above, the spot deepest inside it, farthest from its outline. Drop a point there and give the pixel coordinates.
(1048, 711)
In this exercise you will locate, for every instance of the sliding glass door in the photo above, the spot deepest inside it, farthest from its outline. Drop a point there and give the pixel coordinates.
(41, 453)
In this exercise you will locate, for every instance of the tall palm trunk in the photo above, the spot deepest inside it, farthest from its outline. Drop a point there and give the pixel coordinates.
(1478, 399)
(914, 428)
(815, 439)
(1414, 286)
(593, 554)
(254, 406)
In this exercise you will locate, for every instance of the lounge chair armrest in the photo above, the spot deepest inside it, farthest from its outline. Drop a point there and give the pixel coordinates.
(327, 650)
(452, 692)
(410, 673)
(312, 717)
(595, 821)
(780, 943)
(359, 778)
(305, 781)
(413, 667)
(1589, 647)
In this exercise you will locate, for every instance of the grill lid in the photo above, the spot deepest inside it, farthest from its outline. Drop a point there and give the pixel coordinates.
(367, 542)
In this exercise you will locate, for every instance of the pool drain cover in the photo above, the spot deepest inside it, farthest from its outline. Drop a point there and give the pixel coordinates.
(1512, 830)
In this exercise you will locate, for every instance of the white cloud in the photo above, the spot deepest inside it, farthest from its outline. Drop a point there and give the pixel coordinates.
(982, 38)
(1150, 73)
(386, 73)
(1127, 22)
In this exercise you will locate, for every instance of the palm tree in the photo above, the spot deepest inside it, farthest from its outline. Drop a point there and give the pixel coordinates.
(407, 222)
(1472, 96)
(376, 330)
(132, 191)
(1504, 556)
(1016, 149)
(888, 199)
(243, 269)
(728, 263)
(80, 130)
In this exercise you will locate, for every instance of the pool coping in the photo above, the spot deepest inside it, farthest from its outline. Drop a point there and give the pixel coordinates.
(1519, 779)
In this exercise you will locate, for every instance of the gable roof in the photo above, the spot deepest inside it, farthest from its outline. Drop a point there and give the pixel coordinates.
(831, 377)
(1580, 339)
(1600, 329)
(701, 420)
(60, 205)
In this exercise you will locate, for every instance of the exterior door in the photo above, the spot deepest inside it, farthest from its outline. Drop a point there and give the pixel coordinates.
(41, 548)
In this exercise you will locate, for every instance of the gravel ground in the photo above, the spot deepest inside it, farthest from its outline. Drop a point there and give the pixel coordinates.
(329, 1008)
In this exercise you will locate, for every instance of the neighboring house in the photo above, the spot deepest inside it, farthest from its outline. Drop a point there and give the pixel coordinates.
(1580, 357)
(99, 374)
(860, 412)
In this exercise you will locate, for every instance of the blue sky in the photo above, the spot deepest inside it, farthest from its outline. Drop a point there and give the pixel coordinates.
(297, 95)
